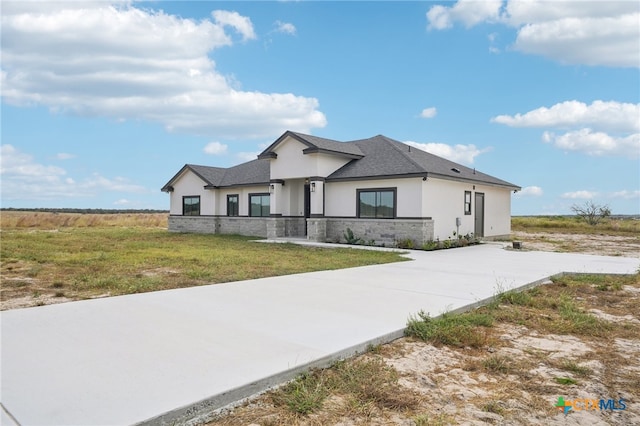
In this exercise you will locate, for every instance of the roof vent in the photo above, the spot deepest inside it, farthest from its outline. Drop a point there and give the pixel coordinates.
(453, 169)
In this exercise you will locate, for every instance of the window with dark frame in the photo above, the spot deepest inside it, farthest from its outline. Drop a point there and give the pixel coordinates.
(233, 204)
(377, 203)
(191, 205)
(467, 202)
(259, 205)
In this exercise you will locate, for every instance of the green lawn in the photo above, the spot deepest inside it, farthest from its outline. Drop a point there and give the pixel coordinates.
(81, 262)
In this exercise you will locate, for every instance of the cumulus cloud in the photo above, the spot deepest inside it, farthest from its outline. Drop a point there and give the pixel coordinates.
(429, 112)
(574, 32)
(469, 12)
(464, 154)
(285, 27)
(626, 194)
(530, 191)
(215, 148)
(596, 143)
(25, 179)
(606, 115)
(612, 126)
(97, 59)
(240, 23)
(580, 195)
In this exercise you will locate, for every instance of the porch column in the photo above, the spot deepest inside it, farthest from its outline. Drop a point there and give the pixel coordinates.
(275, 199)
(317, 196)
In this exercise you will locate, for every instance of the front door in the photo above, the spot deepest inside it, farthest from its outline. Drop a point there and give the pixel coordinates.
(479, 215)
(307, 205)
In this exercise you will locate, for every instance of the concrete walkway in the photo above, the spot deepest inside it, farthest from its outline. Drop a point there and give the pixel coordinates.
(169, 356)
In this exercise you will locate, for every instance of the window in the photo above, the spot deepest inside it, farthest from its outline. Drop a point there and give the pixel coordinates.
(467, 202)
(232, 205)
(191, 205)
(377, 203)
(259, 205)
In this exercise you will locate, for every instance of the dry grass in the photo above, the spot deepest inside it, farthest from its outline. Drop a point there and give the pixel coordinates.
(575, 225)
(537, 345)
(52, 258)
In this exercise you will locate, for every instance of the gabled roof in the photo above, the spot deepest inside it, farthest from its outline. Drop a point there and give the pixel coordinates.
(315, 144)
(255, 172)
(373, 158)
(385, 157)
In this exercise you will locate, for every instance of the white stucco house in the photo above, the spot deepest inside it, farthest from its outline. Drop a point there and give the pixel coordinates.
(303, 185)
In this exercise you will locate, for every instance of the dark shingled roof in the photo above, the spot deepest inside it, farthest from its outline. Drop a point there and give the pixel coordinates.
(316, 144)
(376, 157)
(385, 157)
(255, 172)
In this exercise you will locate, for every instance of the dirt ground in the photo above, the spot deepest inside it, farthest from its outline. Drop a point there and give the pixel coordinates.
(604, 245)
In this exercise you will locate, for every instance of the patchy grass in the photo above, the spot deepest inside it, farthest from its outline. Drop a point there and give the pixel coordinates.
(107, 257)
(459, 330)
(469, 368)
(574, 225)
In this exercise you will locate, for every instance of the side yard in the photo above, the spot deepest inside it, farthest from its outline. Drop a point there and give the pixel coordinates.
(53, 258)
(522, 360)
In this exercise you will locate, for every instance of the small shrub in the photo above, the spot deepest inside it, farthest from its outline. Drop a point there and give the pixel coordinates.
(430, 245)
(351, 238)
(407, 243)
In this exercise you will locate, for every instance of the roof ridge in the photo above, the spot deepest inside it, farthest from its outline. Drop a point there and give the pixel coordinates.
(393, 142)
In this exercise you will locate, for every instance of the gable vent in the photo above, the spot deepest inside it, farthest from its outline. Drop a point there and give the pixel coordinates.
(453, 169)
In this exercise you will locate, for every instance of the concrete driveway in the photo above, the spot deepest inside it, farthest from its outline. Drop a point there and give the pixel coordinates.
(170, 356)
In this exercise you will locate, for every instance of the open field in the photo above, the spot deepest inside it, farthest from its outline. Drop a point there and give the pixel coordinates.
(612, 237)
(53, 258)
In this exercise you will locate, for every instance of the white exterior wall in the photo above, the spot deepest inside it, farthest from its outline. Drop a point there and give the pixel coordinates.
(243, 198)
(292, 163)
(190, 184)
(444, 202)
(497, 212)
(341, 197)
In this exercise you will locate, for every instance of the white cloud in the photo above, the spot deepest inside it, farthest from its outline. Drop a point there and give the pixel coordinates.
(612, 126)
(285, 27)
(469, 12)
(576, 32)
(596, 143)
(215, 148)
(98, 60)
(240, 23)
(530, 191)
(580, 195)
(607, 115)
(464, 154)
(625, 194)
(429, 112)
(25, 179)
(122, 202)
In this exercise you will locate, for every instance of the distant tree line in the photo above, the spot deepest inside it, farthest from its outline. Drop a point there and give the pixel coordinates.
(82, 211)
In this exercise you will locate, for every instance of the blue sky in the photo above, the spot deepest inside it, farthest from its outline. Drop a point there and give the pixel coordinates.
(103, 102)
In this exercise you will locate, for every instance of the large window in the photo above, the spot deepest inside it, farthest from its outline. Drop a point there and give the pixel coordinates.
(259, 205)
(467, 202)
(191, 205)
(232, 205)
(377, 203)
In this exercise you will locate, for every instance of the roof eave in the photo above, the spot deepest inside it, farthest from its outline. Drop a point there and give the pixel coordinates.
(476, 181)
(315, 150)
